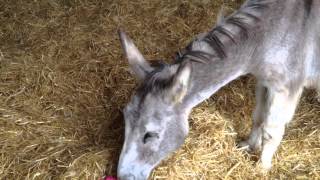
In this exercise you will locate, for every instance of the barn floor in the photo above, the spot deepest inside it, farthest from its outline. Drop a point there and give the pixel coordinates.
(64, 81)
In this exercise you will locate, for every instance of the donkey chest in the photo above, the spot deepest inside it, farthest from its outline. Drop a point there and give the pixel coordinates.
(280, 69)
(281, 72)
(311, 52)
(312, 66)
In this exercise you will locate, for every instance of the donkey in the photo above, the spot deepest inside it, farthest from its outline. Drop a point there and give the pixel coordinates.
(277, 41)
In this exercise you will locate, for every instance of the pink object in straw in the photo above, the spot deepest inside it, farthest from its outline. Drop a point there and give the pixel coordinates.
(110, 178)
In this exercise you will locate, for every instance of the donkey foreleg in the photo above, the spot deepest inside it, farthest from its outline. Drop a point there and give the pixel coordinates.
(254, 140)
(280, 108)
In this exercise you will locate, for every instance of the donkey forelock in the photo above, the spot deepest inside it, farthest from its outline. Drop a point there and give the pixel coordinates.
(159, 79)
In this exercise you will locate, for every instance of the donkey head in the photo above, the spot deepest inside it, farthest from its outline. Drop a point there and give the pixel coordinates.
(155, 118)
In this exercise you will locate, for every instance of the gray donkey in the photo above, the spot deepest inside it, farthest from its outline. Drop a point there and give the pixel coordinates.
(277, 41)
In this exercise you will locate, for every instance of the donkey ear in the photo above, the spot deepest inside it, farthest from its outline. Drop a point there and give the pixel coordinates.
(181, 82)
(139, 66)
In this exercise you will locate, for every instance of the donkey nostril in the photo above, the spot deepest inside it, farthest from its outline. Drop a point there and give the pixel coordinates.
(150, 136)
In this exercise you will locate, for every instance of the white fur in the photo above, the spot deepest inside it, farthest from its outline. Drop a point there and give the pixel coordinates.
(206, 93)
(280, 108)
(310, 70)
(130, 163)
(152, 127)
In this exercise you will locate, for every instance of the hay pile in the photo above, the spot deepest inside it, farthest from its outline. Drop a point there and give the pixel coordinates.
(64, 81)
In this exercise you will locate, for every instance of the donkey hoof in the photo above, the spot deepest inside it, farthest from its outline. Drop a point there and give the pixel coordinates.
(244, 145)
(264, 168)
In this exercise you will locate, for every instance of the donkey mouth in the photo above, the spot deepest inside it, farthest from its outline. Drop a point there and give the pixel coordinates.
(132, 177)
(127, 177)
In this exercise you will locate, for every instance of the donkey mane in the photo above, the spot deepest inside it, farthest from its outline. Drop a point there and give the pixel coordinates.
(242, 21)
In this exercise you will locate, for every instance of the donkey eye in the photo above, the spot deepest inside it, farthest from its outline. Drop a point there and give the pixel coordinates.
(150, 136)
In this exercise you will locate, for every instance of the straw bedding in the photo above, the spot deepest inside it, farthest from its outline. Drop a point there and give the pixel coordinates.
(64, 81)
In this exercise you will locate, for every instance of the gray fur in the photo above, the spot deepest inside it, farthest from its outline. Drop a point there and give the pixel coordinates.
(277, 41)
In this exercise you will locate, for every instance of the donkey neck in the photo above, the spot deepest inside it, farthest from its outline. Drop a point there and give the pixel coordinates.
(209, 78)
(232, 43)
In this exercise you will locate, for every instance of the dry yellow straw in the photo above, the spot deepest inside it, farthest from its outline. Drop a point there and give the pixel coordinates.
(64, 81)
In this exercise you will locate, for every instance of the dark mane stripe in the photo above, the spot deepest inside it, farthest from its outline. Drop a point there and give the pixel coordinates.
(242, 19)
(240, 23)
(225, 32)
(213, 40)
(258, 5)
(307, 7)
(255, 18)
(197, 56)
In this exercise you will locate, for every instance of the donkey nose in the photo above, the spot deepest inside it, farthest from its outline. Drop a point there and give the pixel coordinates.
(127, 177)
